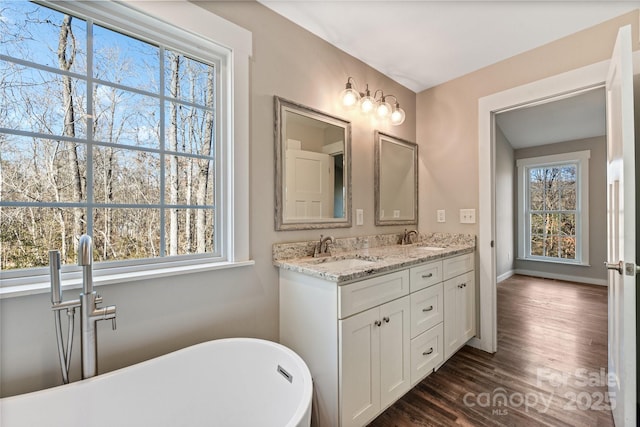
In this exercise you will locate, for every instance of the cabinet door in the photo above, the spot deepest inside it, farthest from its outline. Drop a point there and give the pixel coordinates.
(452, 339)
(395, 355)
(360, 367)
(467, 307)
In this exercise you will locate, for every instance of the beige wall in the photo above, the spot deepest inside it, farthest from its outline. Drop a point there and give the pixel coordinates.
(505, 203)
(161, 315)
(447, 117)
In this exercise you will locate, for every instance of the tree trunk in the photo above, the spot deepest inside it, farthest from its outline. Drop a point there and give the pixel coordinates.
(203, 173)
(174, 88)
(66, 40)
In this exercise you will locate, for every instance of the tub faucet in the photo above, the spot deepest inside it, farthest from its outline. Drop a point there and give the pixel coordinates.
(406, 237)
(322, 247)
(90, 314)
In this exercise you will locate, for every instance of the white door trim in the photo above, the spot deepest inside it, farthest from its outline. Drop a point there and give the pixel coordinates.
(554, 87)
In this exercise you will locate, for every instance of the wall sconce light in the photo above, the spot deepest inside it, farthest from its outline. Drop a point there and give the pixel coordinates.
(367, 103)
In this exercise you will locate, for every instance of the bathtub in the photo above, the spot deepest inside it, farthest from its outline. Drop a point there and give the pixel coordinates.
(241, 382)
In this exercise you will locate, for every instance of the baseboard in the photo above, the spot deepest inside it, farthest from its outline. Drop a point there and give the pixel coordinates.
(565, 277)
(505, 276)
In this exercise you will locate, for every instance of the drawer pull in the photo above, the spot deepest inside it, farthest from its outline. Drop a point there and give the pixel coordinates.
(386, 319)
(426, 353)
(426, 276)
(377, 323)
(424, 310)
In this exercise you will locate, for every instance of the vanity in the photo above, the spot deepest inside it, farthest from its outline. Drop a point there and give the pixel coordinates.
(375, 318)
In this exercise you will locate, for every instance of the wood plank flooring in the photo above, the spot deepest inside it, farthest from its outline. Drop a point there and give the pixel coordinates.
(550, 368)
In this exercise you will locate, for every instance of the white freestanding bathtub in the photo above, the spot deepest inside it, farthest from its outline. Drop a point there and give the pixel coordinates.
(235, 382)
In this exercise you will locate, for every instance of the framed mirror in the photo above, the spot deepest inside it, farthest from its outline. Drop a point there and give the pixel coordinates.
(396, 181)
(313, 168)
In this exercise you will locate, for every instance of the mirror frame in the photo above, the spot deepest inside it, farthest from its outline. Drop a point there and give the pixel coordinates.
(379, 138)
(281, 106)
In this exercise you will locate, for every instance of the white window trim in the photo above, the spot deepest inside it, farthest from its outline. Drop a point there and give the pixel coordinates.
(235, 46)
(581, 158)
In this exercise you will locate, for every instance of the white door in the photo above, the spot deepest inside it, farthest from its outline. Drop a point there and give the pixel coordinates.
(309, 187)
(621, 232)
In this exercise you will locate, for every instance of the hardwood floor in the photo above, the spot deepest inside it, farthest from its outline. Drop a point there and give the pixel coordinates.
(550, 368)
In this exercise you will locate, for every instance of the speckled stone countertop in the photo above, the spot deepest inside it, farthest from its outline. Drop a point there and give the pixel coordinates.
(357, 258)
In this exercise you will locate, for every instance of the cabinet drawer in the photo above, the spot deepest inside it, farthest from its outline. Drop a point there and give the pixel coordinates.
(425, 275)
(426, 353)
(426, 309)
(455, 266)
(359, 296)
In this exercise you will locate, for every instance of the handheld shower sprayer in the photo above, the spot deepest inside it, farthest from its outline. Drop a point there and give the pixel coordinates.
(90, 313)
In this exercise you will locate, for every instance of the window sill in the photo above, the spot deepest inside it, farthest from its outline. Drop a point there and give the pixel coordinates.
(549, 261)
(110, 279)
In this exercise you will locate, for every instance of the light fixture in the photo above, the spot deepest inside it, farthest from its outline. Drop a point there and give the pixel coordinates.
(368, 103)
(350, 96)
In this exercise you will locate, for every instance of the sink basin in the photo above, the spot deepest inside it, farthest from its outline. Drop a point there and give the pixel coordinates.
(347, 264)
(344, 262)
(429, 248)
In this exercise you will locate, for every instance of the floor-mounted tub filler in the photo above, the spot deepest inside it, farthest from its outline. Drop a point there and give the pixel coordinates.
(234, 382)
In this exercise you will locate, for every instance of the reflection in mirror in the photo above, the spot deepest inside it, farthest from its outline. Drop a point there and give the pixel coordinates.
(312, 168)
(396, 181)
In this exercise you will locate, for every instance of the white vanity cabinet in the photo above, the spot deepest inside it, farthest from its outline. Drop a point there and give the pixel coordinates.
(369, 341)
(459, 303)
(373, 361)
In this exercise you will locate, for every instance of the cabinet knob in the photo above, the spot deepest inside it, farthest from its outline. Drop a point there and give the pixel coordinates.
(386, 319)
(424, 310)
(426, 353)
(377, 323)
(426, 276)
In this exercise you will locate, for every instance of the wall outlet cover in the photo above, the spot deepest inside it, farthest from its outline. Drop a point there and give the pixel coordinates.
(440, 214)
(359, 217)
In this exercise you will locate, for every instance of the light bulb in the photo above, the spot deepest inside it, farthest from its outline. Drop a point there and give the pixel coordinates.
(398, 115)
(367, 103)
(384, 109)
(350, 97)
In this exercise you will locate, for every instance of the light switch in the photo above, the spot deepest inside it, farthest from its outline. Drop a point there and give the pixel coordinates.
(359, 217)
(396, 213)
(467, 216)
(440, 215)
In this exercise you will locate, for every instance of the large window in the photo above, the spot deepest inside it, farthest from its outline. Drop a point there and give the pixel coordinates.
(109, 131)
(553, 208)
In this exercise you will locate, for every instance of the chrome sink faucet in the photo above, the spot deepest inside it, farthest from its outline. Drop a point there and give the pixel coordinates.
(322, 247)
(90, 314)
(406, 237)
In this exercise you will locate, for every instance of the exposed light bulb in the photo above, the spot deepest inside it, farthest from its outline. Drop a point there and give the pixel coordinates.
(349, 96)
(384, 109)
(367, 103)
(397, 115)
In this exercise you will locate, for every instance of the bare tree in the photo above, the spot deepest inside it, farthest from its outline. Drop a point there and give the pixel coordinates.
(66, 57)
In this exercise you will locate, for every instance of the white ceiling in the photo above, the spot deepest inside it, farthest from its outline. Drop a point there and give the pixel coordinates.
(577, 117)
(423, 43)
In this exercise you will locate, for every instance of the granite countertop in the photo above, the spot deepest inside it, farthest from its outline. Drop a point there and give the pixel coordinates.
(349, 265)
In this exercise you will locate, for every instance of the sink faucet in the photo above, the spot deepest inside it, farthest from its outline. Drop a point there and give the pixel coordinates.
(90, 314)
(406, 237)
(322, 247)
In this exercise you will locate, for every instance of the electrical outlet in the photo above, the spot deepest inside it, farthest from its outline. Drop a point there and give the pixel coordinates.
(359, 217)
(467, 216)
(440, 214)
(396, 213)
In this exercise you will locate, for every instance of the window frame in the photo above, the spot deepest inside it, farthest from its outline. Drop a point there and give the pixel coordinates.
(187, 28)
(581, 160)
